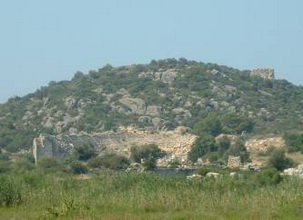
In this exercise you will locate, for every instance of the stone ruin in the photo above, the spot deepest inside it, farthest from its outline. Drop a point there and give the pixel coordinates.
(48, 146)
(176, 143)
(234, 162)
(265, 73)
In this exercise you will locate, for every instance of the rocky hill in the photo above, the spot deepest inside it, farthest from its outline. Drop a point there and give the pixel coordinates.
(160, 96)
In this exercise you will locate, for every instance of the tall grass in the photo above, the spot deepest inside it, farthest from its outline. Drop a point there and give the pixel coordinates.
(117, 195)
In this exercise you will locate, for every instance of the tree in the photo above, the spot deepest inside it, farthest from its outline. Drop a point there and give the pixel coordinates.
(239, 149)
(149, 153)
(85, 152)
(203, 145)
(223, 145)
(294, 141)
(278, 160)
(78, 168)
(233, 123)
(210, 125)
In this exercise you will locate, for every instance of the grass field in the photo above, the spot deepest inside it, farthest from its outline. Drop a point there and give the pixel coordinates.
(119, 195)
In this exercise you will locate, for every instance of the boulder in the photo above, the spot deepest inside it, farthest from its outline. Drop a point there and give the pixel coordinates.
(137, 106)
(153, 110)
(194, 177)
(265, 73)
(168, 76)
(213, 174)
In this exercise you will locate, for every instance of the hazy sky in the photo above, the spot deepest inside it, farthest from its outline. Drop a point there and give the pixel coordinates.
(44, 40)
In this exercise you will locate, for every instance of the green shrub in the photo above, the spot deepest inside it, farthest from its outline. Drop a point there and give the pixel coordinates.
(78, 168)
(149, 151)
(210, 125)
(4, 157)
(5, 166)
(212, 156)
(239, 149)
(148, 154)
(22, 164)
(174, 163)
(10, 192)
(268, 177)
(294, 141)
(204, 144)
(110, 161)
(48, 164)
(85, 152)
(278, 160)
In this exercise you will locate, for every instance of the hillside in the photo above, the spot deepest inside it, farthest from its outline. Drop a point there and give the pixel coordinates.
(161, 95)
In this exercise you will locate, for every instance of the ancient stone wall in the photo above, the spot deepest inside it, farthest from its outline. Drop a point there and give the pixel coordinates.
(234, 162)
(176, 143)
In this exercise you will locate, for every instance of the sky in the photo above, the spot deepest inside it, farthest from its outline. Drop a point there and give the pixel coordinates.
(43, 41)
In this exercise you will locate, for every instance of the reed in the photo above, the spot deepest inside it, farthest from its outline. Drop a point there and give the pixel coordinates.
(119, 195)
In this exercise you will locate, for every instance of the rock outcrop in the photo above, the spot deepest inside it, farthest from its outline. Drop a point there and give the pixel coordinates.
(166, 76)
(297, 172)
(264, 73)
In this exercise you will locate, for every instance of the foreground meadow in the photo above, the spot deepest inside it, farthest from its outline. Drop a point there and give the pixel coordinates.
(119, 195)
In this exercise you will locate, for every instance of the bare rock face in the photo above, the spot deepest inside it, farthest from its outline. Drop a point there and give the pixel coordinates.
(182, 114)
(298, 172)
(167, 76)
(70, 102)
(264, 73)
(176, 143)
(137, 106)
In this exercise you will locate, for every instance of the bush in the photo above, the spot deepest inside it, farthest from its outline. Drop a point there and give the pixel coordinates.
(278, 160)
(4, 157)
(203, 145)
(148, 154)
(10, 192)
(110, 161)
(78, 168)
(22, 164)
(174, 163)
(85, 152)
(212, 156)
(294, 142)
(268, 177)
(48, 164)
(210, 125)
(233, 123)
(5, 166)
(239, 149)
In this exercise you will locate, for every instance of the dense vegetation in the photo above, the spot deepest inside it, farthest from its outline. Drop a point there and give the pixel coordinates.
(116, 195)
(208, 98)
